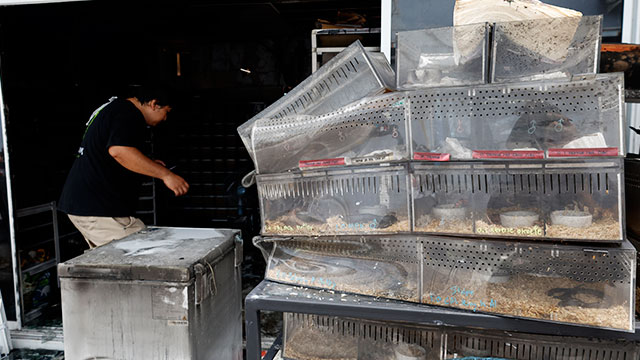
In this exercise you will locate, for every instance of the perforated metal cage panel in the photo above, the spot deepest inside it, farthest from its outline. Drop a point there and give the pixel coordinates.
(588, 265)
(516, 346)
(532, 120)
(573, 284)
(548, 119)
(349, 76)
(364, 133)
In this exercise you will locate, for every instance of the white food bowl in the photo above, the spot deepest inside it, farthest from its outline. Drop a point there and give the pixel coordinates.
(449, 212)
(571, 218)
(404, 351)
(517, 219)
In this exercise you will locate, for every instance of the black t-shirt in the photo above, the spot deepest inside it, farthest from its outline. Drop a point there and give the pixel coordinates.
(97, 184)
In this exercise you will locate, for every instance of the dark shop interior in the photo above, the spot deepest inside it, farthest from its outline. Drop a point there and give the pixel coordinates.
(225, 61)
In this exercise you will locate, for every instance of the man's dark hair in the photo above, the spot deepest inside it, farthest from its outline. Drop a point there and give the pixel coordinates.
(162, 93)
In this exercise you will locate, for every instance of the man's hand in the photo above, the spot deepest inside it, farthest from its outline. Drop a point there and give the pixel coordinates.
(132, 159)
(176, 184)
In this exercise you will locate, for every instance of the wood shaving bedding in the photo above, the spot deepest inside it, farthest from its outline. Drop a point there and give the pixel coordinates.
(602, 229)
(320, 343)
(527, 296)
(334, 226)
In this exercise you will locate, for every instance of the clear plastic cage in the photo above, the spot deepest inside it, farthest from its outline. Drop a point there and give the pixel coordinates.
(545, 48)
(565, 200)
(370, 131)
(347, 77)
(311, 337)
(375, 266)
(363, 200)
(448, 56)
(558, 283)
(550, 119)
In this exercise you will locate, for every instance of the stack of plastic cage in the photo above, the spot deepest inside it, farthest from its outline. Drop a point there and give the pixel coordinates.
(491, 182)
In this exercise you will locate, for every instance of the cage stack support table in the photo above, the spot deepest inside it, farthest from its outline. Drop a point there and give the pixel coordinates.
(271, 296)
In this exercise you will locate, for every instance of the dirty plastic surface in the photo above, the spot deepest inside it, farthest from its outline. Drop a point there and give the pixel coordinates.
(448, 56)
(545, 48)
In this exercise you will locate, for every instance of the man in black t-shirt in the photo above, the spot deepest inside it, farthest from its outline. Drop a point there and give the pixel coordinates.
(101, 191)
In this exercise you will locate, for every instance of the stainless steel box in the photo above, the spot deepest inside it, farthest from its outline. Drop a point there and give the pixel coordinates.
(163, 293)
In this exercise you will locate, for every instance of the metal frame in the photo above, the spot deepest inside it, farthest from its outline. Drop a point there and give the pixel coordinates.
(17, 324)
(5, 336)
(631, 35)
(34, 210)
(271, 296)
(385, 32)
(316, 51)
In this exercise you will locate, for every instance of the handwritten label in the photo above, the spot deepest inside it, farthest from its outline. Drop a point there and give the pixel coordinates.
(287, 228)
(458, 297)
(462, 291)
(535, 231)
(583, 152)
(357, 226)
(294, 278)
(321, 162)
(427, 156)
(508, 154)
(371, 159)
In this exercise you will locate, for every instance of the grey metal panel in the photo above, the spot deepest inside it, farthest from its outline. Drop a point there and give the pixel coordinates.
(165, 254)
(125, 320)
(216, 325)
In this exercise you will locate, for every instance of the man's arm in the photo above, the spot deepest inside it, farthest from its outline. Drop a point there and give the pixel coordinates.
(132, 159)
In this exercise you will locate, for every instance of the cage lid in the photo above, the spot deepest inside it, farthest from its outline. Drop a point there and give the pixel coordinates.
(157, 253)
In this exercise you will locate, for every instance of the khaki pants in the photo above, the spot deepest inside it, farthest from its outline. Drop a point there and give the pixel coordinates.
(100, 230)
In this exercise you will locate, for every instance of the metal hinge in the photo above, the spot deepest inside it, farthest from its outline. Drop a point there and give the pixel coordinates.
(238, 251)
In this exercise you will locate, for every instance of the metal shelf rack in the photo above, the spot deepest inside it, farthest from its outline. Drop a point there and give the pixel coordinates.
(271, 296)
(339, 36)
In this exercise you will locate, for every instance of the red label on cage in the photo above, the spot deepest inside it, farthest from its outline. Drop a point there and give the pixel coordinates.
(583, 152)
(427, 156)
(321, 162)
(508, 154)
